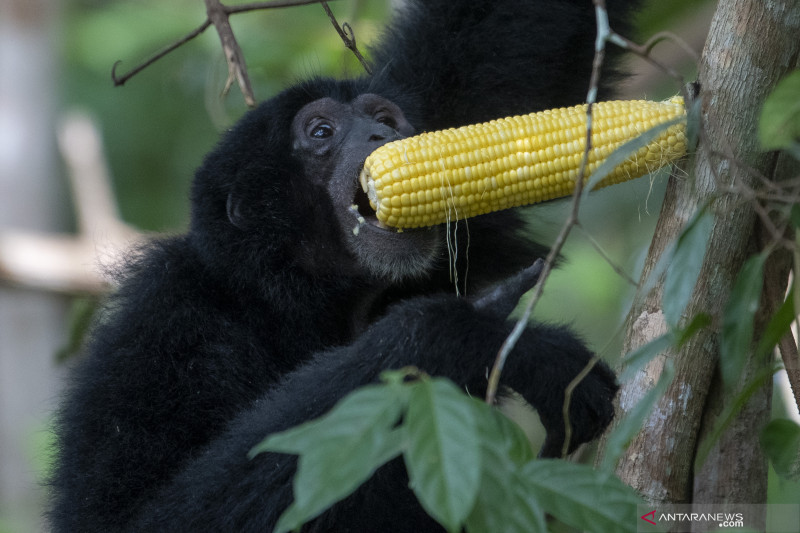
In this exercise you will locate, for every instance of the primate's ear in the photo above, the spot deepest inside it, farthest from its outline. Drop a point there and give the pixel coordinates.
(234, 211)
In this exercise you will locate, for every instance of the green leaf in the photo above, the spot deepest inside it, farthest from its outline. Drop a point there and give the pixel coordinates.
(698, 322)
(684, 268)
(658, 270)
(781, 442)
(737, 318)
(81, 314)
(503, 502)
(794, 216)
(638, 358)
(359, 414)
(443, 455)
(329, 474)
(340, 450)
(632, 422)
(517, 446)
(779, 126)
(291, 519)
(730, 410)
(795, 292)
(625, 151)
(778, 326)
(502, 433)
(582, 497)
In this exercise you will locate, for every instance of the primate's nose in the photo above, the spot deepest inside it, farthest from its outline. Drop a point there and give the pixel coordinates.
(372, 132)
(381, 132)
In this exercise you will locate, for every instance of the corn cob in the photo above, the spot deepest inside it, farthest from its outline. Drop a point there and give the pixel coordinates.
(459, 173)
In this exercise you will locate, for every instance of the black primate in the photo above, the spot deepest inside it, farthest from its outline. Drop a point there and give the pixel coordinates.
(278, 302)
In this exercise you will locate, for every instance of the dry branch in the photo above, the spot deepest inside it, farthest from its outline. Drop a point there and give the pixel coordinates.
(218, 15)
(604, 35)
(348, 37)
(237, 69)
(72, 263)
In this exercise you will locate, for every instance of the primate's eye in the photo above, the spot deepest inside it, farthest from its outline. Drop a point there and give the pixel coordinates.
(321, 131)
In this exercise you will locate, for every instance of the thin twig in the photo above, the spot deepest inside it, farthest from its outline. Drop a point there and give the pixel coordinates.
(610, 262)
(603, 35)
(648, 46)
(643, 51)
(254, 6)
(791, 362)
(775, 291)
(348, 37)
(568, 400)
(155, 57)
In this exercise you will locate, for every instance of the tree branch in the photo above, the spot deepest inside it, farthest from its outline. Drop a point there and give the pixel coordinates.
(237, 69)
(155, 57)
(348, 37)
(242, 8)
(604, 34)
(219, 14)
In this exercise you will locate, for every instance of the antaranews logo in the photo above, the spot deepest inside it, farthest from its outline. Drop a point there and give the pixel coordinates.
(651, 514)
(697, 518)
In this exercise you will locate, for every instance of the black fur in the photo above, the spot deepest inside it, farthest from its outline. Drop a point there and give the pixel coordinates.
(262, 316)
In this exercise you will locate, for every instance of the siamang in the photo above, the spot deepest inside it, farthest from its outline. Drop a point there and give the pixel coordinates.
(271, 308)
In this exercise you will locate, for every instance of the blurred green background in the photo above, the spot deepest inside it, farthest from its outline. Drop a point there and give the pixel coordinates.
(156, 128)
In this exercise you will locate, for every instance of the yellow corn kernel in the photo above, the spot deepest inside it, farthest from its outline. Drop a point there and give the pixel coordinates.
(463, 172)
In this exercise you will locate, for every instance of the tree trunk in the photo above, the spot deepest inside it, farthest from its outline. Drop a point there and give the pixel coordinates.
(31, 322)
(751, 45)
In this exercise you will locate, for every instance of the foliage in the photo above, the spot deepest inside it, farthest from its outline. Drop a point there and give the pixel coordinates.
(738, 319)
(781, 442)
(82, 311)
(685, 263)
(779, 127)
(468, 464)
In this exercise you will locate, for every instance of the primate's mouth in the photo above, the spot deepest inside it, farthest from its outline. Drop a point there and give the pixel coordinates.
(361, 201)
(361, 207)
(362, 211)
